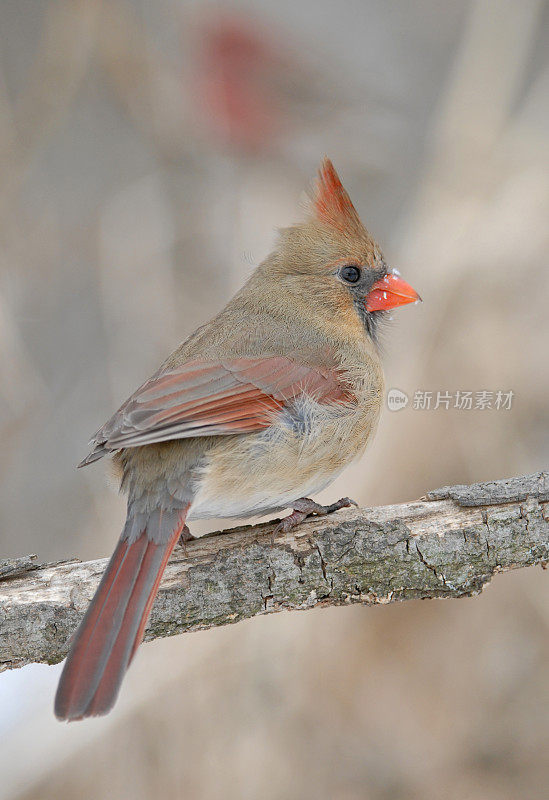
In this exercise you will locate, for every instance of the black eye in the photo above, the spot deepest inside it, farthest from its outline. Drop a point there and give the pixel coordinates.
(350, 274)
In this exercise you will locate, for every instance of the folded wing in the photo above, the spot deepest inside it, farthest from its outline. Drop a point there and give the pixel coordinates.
(213, 398)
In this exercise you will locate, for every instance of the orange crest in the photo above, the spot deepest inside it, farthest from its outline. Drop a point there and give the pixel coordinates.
(332, 204)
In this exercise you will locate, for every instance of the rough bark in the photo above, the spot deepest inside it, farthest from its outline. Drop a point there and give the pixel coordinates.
(448, 544)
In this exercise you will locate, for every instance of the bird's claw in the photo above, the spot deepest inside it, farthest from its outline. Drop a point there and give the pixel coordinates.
(305, 507)
(289, 522)
(186, 536)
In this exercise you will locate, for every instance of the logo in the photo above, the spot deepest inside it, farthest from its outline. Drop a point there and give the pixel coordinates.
(396, 400)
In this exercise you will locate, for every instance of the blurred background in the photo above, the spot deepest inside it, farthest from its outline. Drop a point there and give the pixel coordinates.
(147, 152)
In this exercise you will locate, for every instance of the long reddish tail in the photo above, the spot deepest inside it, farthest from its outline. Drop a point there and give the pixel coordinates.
(112, 628)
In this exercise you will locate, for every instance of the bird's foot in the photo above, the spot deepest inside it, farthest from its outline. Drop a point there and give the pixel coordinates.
(186, 536)
(305, 507)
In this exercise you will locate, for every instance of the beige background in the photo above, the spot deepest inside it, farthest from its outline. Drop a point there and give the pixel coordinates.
(147, 151)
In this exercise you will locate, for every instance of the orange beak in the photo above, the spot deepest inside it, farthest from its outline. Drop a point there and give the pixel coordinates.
(390, 292)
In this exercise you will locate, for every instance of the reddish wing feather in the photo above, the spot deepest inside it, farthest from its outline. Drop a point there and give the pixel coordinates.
(205, 398)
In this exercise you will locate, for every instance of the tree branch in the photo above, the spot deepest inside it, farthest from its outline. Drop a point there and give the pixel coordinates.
(448, 544)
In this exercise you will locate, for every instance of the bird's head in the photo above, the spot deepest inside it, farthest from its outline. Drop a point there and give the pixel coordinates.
(332, 254)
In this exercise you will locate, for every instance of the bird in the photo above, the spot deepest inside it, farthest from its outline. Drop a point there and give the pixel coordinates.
(257, 410)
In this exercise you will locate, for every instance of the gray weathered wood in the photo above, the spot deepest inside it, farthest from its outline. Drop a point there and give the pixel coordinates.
(448, 544)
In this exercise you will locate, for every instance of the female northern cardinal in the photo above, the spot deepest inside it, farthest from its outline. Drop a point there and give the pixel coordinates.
(256, 410)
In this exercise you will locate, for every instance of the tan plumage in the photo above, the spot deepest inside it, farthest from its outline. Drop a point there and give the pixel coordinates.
(262, 406)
